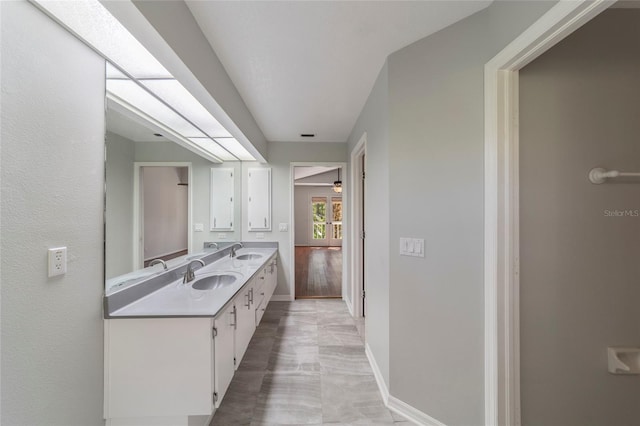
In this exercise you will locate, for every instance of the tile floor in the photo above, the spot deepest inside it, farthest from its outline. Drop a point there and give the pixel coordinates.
(305, 366)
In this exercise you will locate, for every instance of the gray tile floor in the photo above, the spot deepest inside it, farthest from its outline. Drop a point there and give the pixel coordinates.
(305, 366)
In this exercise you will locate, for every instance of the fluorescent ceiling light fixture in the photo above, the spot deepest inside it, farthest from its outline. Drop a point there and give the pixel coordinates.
(136, 96)
(93, 23)
(174, 94)
(233, 146)
(113, 72)
(210, 146)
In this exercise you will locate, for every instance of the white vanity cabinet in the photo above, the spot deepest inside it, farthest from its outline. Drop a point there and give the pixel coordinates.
(245, 318)
(259, 199)
(224, 350)
(158, 368)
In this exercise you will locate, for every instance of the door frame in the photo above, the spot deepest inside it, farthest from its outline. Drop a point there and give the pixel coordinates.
(292, 225)
(356, 221)
(501, 228)
(138, 210)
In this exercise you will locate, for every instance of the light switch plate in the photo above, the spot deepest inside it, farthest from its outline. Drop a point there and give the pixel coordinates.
(260, 235)
(284, 227)
(198, 227)
(222, 236)
(412, 247)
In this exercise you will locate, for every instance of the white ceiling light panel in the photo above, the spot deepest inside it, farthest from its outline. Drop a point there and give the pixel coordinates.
(233, 146)
(210, 146)
(139, 98)
(174, 93)
(94, 24)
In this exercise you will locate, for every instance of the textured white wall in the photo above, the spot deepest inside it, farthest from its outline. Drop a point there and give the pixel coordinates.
(52, 195)
(580, 279)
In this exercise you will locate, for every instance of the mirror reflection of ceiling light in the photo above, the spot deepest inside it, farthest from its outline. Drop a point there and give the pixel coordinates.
(171, 104)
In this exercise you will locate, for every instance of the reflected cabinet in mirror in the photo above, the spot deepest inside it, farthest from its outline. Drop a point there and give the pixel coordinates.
(159, 195)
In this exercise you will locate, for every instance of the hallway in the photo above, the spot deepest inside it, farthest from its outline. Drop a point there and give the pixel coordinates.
(318, 272)
(305, 365)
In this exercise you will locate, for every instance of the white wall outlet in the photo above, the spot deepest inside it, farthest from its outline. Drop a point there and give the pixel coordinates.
(222, 236)
(284, 227)
(260, 235)
(57, 261)
(198, 227)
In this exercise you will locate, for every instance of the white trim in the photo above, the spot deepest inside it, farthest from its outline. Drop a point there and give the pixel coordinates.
(280, 298)
(384, 391)
(138, 256)
(502, 346)
(410, 413)
(292, 227)
(355, 218)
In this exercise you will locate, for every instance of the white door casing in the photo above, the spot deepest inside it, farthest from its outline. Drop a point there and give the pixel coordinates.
(502, 331)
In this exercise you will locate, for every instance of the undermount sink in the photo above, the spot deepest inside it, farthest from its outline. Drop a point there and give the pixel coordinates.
(249, 256)
(213, 282)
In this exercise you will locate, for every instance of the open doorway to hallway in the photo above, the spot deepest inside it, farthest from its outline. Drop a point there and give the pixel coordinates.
(318, 210)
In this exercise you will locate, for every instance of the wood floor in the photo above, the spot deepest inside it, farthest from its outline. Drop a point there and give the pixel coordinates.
(318, 272)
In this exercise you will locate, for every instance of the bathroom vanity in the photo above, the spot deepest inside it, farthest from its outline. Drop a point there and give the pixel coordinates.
(171, 348)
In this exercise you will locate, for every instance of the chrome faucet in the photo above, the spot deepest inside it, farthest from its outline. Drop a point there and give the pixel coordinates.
(158, 262)
(189, 275)
(232, 253)
(212, 245)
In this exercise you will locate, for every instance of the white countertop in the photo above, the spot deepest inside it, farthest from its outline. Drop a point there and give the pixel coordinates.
(178, 299)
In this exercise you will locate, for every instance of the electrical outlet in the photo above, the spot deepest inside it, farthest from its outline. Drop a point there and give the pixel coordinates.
(57, 261)
(259, 235)
(198, 227)
(222, 236)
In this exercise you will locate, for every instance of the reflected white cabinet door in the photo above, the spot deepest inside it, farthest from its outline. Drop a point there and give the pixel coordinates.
(259, 199)
(222, 186)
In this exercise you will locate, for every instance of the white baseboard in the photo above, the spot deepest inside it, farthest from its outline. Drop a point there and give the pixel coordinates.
(384, 391)
(281, 298)
(410, 413)
(349, 305)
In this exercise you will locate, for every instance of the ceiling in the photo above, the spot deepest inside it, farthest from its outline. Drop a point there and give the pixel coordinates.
(126, 127)
(309, 66)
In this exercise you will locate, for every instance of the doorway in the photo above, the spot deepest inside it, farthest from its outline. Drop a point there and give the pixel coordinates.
(318, 233)
(162, 211)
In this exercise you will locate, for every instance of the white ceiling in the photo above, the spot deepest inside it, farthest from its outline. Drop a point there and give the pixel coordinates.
(302, 172)
(309, 66)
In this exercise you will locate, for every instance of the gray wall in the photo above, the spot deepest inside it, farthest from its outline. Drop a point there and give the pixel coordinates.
(303, 195)
(119, 206)
(52, 195)
(436, 98)
(579, 267)
(374, 120)
(201, 171)
(281, 155)
(165, 211)
(425, 154)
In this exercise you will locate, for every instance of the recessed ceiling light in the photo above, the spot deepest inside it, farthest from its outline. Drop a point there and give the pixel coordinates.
(307, 135)
(157, 134)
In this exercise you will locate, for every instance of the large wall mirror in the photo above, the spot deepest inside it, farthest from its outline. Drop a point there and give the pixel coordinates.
(158, 195)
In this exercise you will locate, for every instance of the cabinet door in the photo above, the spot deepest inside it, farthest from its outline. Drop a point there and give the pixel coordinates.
(224, 351)
(246, 320)
(261, 287)
(221, 199)
(259, 199)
